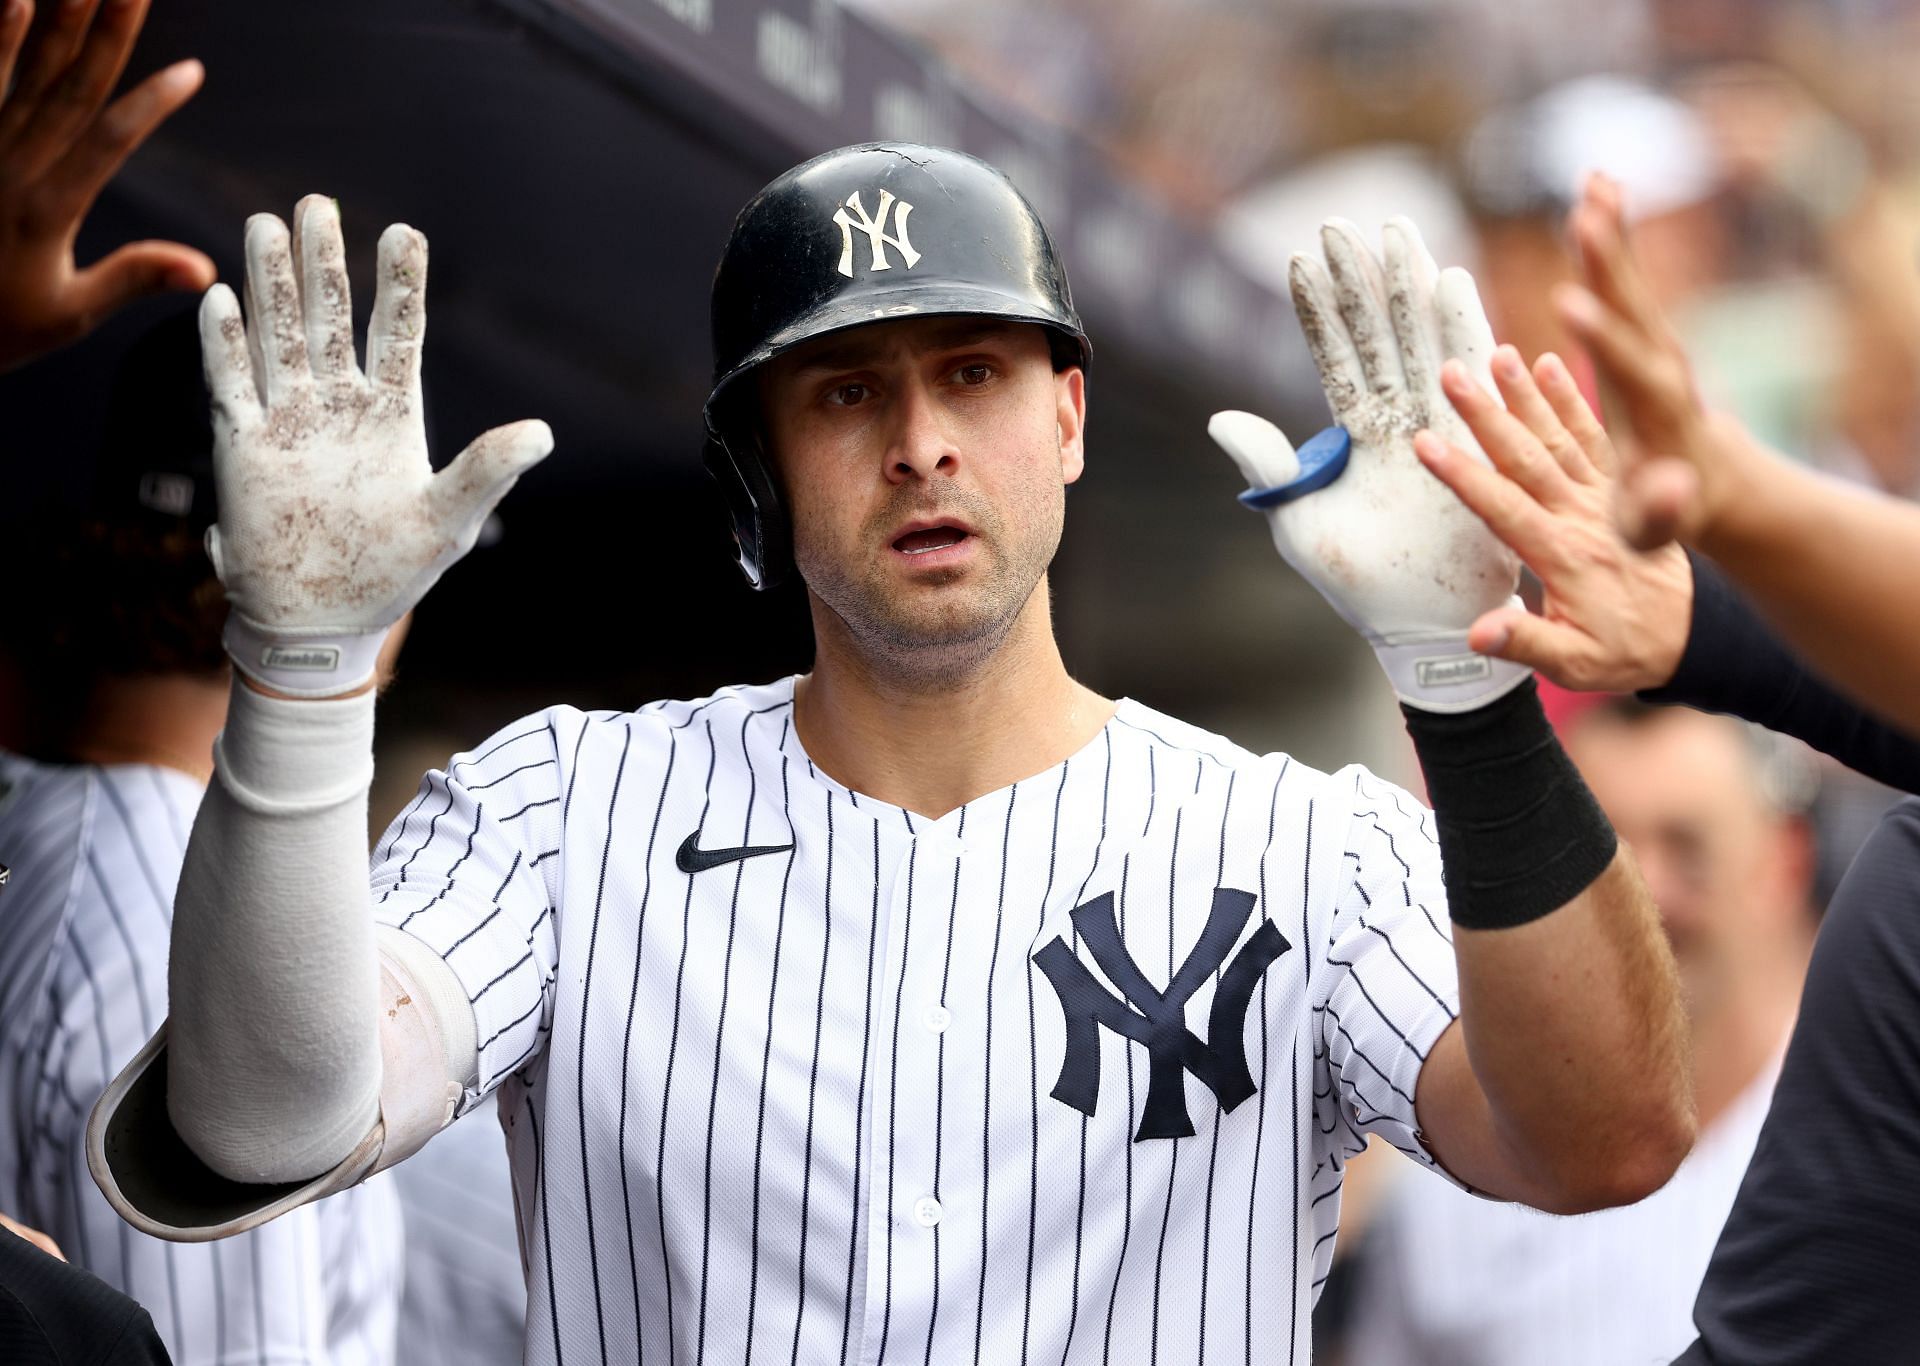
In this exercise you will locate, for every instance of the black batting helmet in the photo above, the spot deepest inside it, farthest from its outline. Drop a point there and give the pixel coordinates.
(865, 234)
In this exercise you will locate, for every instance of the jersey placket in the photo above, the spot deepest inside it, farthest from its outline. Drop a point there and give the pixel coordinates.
(905, 1206)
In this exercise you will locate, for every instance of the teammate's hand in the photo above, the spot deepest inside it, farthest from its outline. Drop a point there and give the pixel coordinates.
(1678, 462)
(58, 149)
(34, 1236)
(332, 522)
(1613, 619)
(1397, 555)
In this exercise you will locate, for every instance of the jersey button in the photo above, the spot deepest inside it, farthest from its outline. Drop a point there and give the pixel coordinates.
(926, 1211)
(936, 1018)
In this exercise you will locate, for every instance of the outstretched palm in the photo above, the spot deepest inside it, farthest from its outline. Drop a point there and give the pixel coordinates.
(333, 523)
(1392, 550)
(60, 142)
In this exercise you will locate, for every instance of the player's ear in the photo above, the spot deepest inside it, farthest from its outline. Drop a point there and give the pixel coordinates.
(1070, 405)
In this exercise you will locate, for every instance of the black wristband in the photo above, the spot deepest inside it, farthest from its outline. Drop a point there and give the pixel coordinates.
(1520, 834)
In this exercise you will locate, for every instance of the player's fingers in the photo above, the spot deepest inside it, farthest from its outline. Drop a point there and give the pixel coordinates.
(1654, 400)
(225, 356)
(16, 16)
(73, 101)
(1411, 275)
(135, 271)
(47, 58)
(1514, 450)
(1525, 401)
(1361, 294)
(1598, 228)
(1327, 340)
(1509, 511)
(1657, 502)
(273, 296)
(399, 311)
(1261, 450)
(1465, 333)
(479, 477)
(1513, 633)
(327, 304)
(73, 184)
(1576, 415)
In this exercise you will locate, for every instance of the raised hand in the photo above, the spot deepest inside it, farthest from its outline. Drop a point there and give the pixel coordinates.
(1613, 619)
(1395, 553)
(1678, 462)
(60, 143)
(333, 523)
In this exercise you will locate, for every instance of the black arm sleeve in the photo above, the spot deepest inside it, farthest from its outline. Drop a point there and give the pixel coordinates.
(1818, 1260)
(1734, 663)
(54, 1314)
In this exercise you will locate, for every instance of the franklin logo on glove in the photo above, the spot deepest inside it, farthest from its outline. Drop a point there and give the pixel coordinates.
(320, 657)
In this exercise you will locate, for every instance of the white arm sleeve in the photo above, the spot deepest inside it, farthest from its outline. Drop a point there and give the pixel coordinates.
(275, 984)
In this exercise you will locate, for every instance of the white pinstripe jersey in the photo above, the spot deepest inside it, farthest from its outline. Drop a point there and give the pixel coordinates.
(94, 855)
(802, 1105)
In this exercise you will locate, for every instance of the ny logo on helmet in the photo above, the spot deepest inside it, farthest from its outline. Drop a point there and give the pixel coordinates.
(878, 239)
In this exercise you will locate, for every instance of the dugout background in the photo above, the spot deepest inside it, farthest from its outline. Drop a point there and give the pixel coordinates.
(576, 165)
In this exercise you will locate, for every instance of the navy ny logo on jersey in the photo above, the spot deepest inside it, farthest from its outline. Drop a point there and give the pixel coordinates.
(1157, 1019)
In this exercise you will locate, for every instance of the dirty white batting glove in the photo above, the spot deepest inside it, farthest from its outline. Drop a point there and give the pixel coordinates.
(1387, 544)
(332, 523)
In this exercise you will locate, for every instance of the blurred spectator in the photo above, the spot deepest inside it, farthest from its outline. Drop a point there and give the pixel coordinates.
(125, 687)
(1796, 168)
(1366, 185)
(1712, 810)
(1521, 170)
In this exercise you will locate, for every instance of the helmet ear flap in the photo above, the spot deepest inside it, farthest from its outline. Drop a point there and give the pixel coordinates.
(757, 516)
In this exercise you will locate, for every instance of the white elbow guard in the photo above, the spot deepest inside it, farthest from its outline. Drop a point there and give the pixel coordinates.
(158, 1185)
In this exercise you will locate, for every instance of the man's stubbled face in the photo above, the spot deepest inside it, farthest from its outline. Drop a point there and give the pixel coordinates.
(925, 465)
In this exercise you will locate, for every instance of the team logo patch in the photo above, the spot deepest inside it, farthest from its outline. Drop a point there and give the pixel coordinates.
(1157, 1019)
(878, 238)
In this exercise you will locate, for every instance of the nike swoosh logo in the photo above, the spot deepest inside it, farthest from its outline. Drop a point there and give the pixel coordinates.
(692, 859)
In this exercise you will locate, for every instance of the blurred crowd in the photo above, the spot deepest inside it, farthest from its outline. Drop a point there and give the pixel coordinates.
(1768, 150)
(1770, 154)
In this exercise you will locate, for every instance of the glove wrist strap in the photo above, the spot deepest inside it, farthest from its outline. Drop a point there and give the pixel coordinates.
(1439, 673)
(303, 664)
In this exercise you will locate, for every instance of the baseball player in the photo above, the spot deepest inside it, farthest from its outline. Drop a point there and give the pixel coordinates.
(926, 1006)
(128, 686)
